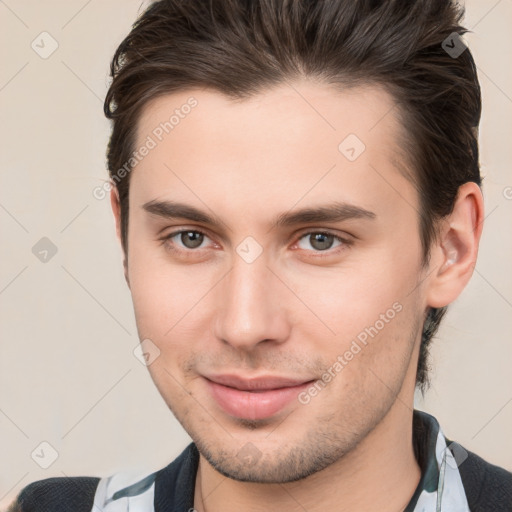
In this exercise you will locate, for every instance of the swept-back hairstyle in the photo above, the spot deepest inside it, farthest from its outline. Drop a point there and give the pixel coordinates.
(242, 47)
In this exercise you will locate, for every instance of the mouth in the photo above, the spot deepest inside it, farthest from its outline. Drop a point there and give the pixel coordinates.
(254, 399)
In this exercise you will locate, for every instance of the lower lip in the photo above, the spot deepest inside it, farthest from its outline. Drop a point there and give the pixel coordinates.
(253, 405)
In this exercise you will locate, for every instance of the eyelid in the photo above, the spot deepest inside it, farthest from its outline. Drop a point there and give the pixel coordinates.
(327, 231)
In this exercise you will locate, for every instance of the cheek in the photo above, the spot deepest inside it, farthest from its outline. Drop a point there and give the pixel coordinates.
(162, 305)
(171, 301)
(365, 292)
(366, 371)
(159, 292)
(373, 319)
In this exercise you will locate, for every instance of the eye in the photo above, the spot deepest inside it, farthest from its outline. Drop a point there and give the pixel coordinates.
(186, 239)
(321, 241)
(191, 240)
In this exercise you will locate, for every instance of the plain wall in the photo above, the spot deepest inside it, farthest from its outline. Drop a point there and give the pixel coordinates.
(68, 375)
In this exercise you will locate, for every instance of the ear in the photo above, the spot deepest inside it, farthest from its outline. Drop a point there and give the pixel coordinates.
(453, 256)
(116, 210)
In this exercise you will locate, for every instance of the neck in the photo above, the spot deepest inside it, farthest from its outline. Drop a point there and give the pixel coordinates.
(381, 473)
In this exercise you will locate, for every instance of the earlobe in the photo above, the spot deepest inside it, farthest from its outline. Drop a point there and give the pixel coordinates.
(455, 252)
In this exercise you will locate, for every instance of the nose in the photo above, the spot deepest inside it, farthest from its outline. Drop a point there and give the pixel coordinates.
(252, 306)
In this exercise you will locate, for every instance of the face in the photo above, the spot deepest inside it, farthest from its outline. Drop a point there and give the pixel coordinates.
(284, 294)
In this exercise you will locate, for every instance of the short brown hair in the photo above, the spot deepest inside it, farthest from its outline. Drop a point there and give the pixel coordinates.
(241, 47)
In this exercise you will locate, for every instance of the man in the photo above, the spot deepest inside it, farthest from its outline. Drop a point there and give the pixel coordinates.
(296, 191)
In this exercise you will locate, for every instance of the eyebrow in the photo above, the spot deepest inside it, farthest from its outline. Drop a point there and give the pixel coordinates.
(331, 212)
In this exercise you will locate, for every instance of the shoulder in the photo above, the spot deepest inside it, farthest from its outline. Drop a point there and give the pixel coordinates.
(57, 494)
(488, 487)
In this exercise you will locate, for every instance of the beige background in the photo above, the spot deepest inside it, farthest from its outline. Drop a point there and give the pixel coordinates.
(68, 375)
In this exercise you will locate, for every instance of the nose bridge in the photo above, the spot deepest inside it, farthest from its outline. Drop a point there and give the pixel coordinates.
(250, 309)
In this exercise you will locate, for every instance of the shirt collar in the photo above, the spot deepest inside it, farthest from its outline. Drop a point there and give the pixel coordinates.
(440, 487)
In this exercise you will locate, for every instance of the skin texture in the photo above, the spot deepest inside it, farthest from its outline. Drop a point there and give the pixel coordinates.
(290, 312)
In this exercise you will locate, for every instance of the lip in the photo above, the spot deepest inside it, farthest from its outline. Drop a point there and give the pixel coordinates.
(256, 398)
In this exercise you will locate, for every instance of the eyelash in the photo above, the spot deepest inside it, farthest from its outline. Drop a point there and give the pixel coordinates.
(319, 254)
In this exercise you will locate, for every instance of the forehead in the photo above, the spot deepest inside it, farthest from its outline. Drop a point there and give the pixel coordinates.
(295, 142)
(311, 109)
